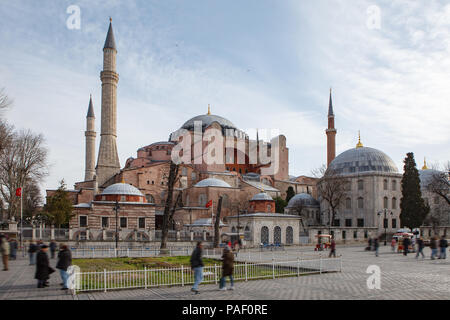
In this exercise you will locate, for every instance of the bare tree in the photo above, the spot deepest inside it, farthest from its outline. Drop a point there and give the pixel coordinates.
(332, 188)
(170, 206)
(23, 160)
(217, 224)
(6, 134)
(5, 101)
(439, 184)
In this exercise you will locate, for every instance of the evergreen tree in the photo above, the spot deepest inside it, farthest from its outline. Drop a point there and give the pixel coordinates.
(280, 204)
(290, 193)
(59, 206)
(413, 207)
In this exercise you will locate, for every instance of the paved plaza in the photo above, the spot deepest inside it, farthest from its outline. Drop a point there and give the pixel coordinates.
(401, 278)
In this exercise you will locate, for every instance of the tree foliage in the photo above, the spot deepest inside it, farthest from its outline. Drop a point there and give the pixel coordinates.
(280, 204)
(290, 193)
(59, 206)
(412, 205)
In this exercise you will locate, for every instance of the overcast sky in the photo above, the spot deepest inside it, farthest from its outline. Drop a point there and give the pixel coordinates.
(259, 63)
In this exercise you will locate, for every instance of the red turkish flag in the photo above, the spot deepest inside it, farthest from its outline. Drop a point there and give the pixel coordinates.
(209, 204)
(19, 192)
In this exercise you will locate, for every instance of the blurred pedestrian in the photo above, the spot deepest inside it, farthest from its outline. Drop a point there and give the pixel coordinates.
(433, 247)
(227, 269)
(406, 243)
(4, 248)
(43, 269)
(443, 245)
(376, 246)
(32, 250)
(64, 262)
(197, 266)
(52, 249)
(420, 246)
(393, 244)
(13, 249)
(333, 248)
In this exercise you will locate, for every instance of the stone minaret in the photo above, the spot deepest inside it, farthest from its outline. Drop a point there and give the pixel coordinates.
(108, 159)
(331, 134)
(90, 143)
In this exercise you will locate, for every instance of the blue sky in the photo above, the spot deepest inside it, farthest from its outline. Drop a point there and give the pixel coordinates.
(259, 63)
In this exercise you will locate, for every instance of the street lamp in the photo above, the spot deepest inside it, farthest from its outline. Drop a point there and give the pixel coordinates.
(116, 209)
(385, 211)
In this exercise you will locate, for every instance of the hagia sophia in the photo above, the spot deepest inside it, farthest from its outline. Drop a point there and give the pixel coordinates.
(247, 188)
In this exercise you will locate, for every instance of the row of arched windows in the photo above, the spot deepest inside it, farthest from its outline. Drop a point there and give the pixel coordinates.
(277, 237)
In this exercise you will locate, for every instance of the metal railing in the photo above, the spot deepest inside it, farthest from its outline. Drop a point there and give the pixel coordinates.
(180, 276)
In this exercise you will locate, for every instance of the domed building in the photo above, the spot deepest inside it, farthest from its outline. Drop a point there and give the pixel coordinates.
(305, 206)
(371, 187)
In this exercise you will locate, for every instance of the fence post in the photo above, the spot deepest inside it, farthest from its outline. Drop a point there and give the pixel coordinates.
(104, 278)
(340, 258)
(320, 265)
(215, 273)
(298, 267)
(246, 274)
(182, 276)
(273, 268)
(145, 277)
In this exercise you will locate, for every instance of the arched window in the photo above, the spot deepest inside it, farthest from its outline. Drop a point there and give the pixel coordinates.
(184, 171)
(265, 235)
(193, 176)
(289, 235)
(348, 203)
(149, 198)
(277, 235)
(385, 202)
(385, 184)
(360, 185)
(360, 203)
(202, 200)
(269, 208)
(394, 203)
(247, 234)
(233, 230)
(163, 197)
(394, 185)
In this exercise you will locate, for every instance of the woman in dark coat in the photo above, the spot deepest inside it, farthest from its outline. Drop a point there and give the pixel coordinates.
(43, 269)
(64, 262)
(227, 268)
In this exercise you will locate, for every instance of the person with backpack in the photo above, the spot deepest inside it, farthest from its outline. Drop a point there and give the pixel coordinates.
(406, 243)
(376, 245)
(64, 262)
(32, 249)
(443, 245)
(420, 246)
(197, 266)
(433, 247)
(43, 269)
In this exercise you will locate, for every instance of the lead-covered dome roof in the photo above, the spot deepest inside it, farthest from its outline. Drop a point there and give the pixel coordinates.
(212, 182)
(207, 120)
(426, 176)
(302, 199)
(123, 189)
(363, 160)
(261, 197)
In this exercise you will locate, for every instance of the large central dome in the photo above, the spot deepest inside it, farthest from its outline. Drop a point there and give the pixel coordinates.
(207, 120)
(363, 160)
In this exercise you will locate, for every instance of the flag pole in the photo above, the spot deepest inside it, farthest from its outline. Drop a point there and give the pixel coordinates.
(21, 219)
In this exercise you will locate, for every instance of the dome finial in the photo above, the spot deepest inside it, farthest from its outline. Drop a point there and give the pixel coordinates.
(424, 164)
(123, 180)
(359, 145)
(209, 110)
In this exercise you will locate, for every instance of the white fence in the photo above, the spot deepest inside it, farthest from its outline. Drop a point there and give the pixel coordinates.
(180, 276)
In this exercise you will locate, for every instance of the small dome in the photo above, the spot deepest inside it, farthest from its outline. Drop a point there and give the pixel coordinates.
(302, 199)
(123, 189)
(207, 120)
(211, 182)
(363, 159)
(262, 197)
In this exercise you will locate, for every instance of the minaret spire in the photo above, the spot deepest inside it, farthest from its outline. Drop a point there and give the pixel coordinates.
(425, 167)
(90, 135)
(359, 145)
(209, 110)
(108, 159)
(331, 133)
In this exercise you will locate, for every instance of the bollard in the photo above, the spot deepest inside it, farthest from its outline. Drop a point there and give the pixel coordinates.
(246, 274)
(215, 273)
(182, 276)
(145, 277)
(273, 269)
(104, 278)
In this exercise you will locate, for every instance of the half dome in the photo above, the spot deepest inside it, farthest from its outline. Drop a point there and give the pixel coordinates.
(122, 189)
(363, 160)
(302, 199)
(212, 182)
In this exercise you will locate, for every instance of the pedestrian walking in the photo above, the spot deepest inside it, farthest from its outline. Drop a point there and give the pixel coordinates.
(433, 247)
(197, 266)
(64, 262)
(376, 246)
(43, 269)
(52, 249)
(4, 248)
(333, 248)
(443, 245)
(393, 244)
(370, 244)
(227, 269)
(32, 249)
(406, 243)
(13, 249)
(420, 246)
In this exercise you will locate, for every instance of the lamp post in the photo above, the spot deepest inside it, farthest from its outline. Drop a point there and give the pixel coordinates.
(116, 209)
(385, 211)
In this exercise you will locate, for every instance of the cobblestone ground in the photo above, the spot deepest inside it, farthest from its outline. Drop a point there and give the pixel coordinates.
(401, 278)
